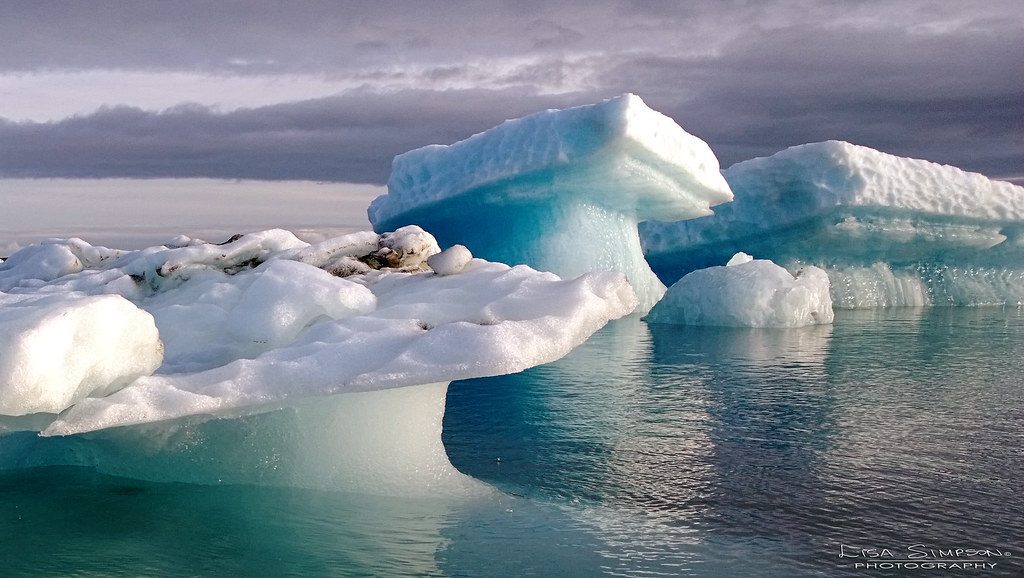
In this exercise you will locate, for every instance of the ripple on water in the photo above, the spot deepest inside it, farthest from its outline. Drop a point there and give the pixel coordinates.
(703, 450)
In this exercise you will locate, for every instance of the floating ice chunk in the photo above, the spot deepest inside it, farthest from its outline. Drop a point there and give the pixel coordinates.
(236, 254)
(560, 190)
(272, 360)
(747, 292)
(450, 261)
(845, 207)
(253, 321)
(56, 350)
(405, 249)
(179, 241)
(43, 262)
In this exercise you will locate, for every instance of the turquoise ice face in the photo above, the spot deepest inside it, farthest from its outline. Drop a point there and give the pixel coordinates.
(559, 190)
(888, 230)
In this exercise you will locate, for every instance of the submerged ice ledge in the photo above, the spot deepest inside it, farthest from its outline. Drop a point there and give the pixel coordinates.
(385, 442)
(560, 190)
(888, 230)
(265, 324)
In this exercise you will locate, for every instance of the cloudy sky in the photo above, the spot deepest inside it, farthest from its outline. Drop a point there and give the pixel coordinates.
(331, 91)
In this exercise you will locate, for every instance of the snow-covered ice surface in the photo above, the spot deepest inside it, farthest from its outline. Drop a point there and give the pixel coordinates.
(560, 190)
(747, 292)
(57, 349)
(266, 329)
(888, 230)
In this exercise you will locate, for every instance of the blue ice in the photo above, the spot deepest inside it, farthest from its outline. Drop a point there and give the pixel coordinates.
(889, 231)
(560, 190)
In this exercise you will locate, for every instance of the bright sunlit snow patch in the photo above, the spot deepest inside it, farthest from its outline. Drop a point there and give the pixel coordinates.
(889, 230)
(747, 292)
(560, 190)
(57, 349)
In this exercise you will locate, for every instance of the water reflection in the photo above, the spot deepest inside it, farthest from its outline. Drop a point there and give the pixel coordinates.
(928, 429)
(705, 450)
(655, 433)
(649, 451)
(102, 525)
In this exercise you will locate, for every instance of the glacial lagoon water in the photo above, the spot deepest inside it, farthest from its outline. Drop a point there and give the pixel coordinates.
(649, 451)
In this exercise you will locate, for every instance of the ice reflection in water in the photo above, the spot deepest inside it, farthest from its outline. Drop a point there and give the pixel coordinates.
(722, 451)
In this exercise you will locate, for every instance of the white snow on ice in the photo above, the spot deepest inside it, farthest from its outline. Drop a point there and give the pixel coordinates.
(813, 179)
(450, 261)
(259, 321)
(57, 349)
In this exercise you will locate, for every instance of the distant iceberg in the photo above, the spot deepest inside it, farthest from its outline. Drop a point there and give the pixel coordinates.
(889, 231)
(747, 292)
(560, 190)
(268, 360)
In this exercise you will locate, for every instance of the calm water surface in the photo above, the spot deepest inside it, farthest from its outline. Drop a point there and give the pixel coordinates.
(649, 451)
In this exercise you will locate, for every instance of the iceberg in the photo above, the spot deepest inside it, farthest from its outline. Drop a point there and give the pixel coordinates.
(889, 231)
(321, 365)
(560, 190)
(747, 292)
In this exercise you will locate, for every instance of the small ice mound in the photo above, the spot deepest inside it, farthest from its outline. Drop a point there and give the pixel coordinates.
(747, 292)
(559, 190)
(407, 247)
(57, 350)
(450, 261)
(286, 297)
(50, 260)
(930, 233)
(739, 259)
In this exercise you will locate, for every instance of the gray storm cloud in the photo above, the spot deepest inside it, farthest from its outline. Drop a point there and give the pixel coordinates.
(938, 80)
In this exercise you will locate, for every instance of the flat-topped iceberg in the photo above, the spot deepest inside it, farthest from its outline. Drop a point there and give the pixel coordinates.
(747, 292)
(888, 230)
(560, 190)
(335, 380)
